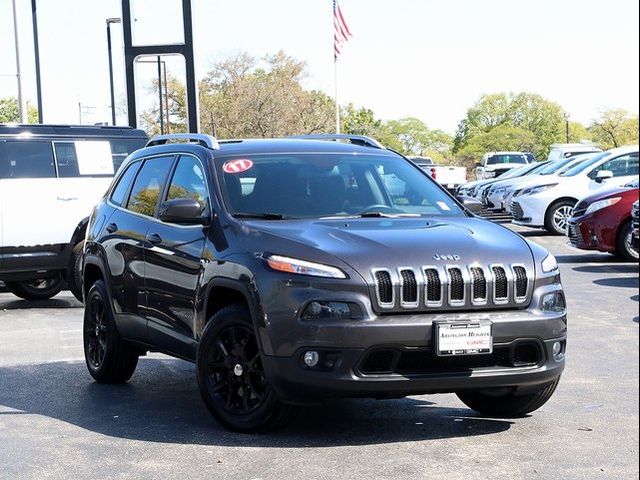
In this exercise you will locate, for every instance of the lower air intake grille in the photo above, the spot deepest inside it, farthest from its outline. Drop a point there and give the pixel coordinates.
(521, 281)
(457, 285)
(479, 284)
(409, 287)
(500, 285)
(384, 286)
(434, 286)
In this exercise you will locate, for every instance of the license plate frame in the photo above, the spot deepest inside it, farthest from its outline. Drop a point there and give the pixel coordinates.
(478, 331)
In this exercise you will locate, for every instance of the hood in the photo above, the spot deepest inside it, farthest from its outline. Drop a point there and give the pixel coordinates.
(366, 244)
(607, 192)
(535, 181)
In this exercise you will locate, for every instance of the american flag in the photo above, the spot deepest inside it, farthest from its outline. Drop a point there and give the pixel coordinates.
(341, 33)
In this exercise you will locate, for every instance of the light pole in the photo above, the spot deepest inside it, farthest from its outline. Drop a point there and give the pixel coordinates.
(36, 52)
(113, 98)
(162, 74)
(22, 102)
(566, 125)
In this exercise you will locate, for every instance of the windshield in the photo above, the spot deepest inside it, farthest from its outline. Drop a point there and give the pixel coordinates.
(582, 166)
(329, 185)
(560, 165)
(634, 184)
(506, 158)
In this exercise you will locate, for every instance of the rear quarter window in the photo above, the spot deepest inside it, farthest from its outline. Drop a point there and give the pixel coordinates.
(27, 159)
(119, 193)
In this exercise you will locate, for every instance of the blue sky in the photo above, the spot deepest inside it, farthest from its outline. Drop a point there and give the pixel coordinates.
(426, 58)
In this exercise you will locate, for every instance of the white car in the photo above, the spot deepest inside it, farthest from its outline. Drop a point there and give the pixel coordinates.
(494, 164)
(500, 195)
(560, 151)
(550, 204)
(51, 177)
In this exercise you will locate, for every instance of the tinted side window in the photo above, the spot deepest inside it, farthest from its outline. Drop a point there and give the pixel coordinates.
(148, 185)
(189, 182)
(621, 166)
(66, 159)
(119, 193)
(28, 159)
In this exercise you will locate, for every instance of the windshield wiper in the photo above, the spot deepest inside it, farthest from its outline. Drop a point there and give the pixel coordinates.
(262, 216)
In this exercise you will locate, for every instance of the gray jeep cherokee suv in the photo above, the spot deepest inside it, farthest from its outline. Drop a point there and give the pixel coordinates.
(293, 270)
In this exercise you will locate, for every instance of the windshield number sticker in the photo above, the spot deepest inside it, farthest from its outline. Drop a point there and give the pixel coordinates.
(237, 166)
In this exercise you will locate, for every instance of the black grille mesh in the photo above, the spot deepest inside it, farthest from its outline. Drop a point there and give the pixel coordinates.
(384, 286)
(434, 286)
(521, 281)
(479, 283)
(457, 284)
(409, 286)
(500, 285)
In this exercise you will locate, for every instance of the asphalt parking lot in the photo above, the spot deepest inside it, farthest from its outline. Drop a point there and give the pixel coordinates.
(56, 423)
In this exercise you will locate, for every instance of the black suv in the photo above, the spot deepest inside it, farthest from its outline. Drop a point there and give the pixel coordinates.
(293, 270)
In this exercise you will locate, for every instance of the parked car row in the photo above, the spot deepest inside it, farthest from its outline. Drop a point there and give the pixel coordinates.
(587, 196)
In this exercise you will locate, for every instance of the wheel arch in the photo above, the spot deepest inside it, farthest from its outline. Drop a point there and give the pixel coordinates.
(566, 198)
(80, 232)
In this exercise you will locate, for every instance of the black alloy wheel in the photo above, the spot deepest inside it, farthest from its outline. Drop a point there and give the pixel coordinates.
(37, 289)
(231, 376)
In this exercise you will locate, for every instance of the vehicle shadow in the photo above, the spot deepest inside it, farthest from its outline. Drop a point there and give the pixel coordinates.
(533, 233)
(19, 304)
(627, 282)
(590, 258)
(162, 404)
(608, 268)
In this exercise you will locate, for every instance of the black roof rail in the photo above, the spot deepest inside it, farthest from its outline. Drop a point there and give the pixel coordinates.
(355, 139)
(200, 138)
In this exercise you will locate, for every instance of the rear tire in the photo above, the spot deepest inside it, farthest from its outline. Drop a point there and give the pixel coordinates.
(624, 248)
(556, 220)
(38, 289)
(109, 358)
(75, 271)
(510, 404)
(230, 375)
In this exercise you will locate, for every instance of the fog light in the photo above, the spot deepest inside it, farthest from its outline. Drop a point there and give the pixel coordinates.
(324, 310)
(554, 302)
(558, 351)
(311, 358)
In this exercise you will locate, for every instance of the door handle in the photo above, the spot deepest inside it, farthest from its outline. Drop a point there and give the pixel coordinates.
(112, 227)
(154, 239)
(66, 199)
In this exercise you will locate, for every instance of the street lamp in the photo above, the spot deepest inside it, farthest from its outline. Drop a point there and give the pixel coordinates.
(566, 123)
(113, 100)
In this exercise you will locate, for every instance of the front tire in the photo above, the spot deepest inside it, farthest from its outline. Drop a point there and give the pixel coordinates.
(38, 289)
(624, 243)
(508, 404)
(109, 358)
(231, 377)
(557, 218)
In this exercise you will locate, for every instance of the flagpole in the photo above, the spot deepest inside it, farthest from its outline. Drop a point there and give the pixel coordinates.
(335, 80)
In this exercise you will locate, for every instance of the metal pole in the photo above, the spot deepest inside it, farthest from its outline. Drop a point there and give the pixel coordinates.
(160, 95)
(22, 102)
(113, 98)
(166, 96)
(566, 122)
(36, 51)
(335, 79)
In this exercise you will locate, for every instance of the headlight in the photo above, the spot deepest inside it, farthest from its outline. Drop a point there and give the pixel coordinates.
(599, 205)
(549, 264)
(537, 189)
(302, 267)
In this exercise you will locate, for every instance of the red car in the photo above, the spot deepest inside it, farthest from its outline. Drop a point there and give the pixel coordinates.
(602, 221)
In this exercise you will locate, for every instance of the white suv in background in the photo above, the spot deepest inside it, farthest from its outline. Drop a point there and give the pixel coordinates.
(560, 151)
(550, 204)
(51, 177)
(494, 164)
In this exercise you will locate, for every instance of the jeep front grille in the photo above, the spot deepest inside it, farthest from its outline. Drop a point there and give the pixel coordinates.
(454, 286)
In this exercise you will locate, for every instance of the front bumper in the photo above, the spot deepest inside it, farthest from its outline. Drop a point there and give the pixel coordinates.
(529, 210)
(586, 234)
(347, 346)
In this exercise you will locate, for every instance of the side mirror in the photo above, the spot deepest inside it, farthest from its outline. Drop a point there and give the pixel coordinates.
(604, 175)
(473, 205)
(182, 210)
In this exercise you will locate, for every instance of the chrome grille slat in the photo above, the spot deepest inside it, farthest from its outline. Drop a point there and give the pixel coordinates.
(442, 287)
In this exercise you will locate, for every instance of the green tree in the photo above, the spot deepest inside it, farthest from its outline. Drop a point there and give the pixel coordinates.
(10, 111)
(615, 128)
(175, 97)
(360, 121)
(523, 111)
(412, 136)
(242, 97)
